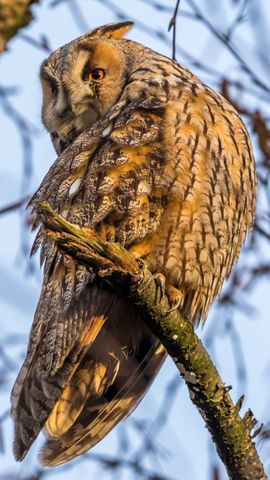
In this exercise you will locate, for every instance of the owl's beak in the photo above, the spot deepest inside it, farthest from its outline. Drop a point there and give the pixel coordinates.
(63, 104)
(65, 111)
(61, 144)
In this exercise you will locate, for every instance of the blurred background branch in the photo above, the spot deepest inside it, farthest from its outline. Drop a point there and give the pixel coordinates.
(14, 14)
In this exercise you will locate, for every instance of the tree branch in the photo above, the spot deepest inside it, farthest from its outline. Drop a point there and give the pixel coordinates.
(14, 14)
(131, 278)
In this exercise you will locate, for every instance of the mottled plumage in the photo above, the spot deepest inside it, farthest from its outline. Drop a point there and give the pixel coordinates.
(149, 157)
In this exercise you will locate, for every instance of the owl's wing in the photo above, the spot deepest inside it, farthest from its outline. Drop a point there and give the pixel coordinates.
(130, 123)
(113, 182)
(64, 335)
(103, 181)
(71, 164)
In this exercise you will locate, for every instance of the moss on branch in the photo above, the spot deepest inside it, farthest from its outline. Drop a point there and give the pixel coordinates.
(231, 433)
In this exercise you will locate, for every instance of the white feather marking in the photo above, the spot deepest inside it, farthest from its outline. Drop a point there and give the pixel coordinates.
(107, 130)
(74, 187)
(143, 188)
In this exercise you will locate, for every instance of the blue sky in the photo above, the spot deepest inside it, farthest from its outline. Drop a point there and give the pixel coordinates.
(185, 443)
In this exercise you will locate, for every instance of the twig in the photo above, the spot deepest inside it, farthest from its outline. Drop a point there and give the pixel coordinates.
(222, 37)
(78, 16)
(261, 231)
(238, 19)
(230, 432)
(41, 44)
(172, 24)
(13, 206)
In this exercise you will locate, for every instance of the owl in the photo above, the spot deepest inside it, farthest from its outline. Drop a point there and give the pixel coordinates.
(149, 157)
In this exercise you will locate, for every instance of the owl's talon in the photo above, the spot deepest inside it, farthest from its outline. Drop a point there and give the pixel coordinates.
(175, 298)
(175, 306)
(160, 282)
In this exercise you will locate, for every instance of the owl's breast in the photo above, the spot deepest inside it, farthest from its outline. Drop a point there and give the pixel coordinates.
(210, 184)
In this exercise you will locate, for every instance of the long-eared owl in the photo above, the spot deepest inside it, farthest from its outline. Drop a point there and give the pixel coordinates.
(152, 158)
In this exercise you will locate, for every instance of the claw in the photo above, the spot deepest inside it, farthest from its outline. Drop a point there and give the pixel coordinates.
(175, 298)
(161, 285)
(174, 295)
(175, 306)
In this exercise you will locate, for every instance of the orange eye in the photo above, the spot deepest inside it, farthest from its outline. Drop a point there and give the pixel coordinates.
(96, 74)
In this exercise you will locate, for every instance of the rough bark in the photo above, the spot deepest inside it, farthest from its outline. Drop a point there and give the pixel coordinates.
(230, 432)
(14, 14)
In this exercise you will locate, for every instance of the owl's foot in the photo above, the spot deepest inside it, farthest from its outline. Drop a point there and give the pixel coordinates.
(175, 297)
(160, 282)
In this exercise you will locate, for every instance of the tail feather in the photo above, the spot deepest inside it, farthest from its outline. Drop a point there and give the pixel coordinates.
(99, 416)
(91, 379)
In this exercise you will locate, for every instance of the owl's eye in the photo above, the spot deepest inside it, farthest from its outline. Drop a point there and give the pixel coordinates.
(96, 74)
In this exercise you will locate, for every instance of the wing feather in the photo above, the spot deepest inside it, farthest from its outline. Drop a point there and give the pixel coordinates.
(45, 372)
(98, 418)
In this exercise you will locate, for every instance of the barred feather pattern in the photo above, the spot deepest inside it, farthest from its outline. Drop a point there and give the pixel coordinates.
(158, 162)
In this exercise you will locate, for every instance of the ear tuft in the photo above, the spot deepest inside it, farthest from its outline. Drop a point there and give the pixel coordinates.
(113, 30)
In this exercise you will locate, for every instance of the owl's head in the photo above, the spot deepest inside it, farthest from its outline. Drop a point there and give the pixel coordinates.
(82, 80)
